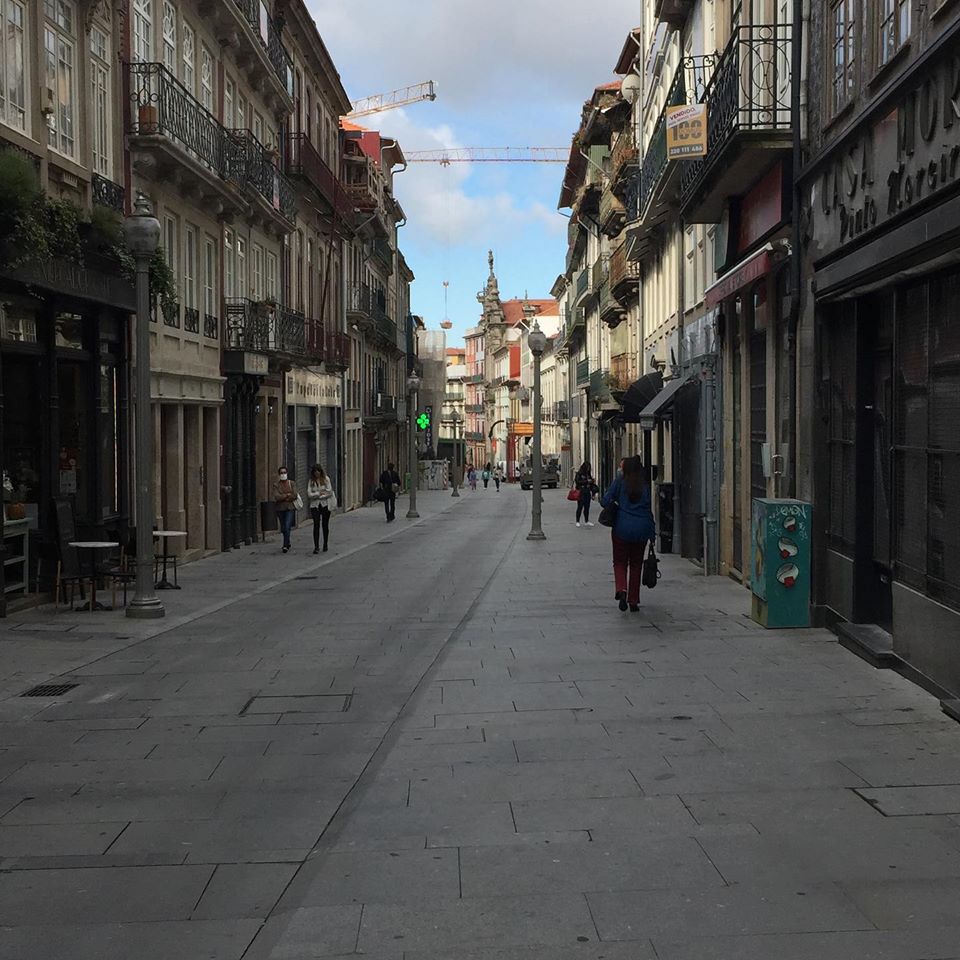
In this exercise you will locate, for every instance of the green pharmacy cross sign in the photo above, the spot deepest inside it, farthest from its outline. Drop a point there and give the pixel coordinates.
(423, 421)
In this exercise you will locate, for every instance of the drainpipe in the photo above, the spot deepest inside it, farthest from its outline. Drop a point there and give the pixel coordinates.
(796, 271)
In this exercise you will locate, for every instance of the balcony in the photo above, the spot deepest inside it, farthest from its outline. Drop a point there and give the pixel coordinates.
(612, 311)
(382, 252)
(673, 12)
(336, 351)
(256, 168)
(621, 373)
(247, 27)
(362, 183)
(598, 272)
(474, 378)
(305, 163)
(624, 275)
(383, 406)
(473, 408)
(474, 436)
(211, 327)
(582, 285)
(583, 373)
(106, 193)
(749, 124)
(359, 301)
(174, 139)
(660, 178)
(624, 158)
(561, 414)
(191, 320)
(613, 214)
(264, 327)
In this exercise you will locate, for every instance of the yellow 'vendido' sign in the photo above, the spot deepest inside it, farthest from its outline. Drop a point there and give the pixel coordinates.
(687, 131)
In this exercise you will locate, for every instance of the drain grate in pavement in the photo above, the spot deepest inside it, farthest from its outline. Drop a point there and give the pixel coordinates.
(50, 690)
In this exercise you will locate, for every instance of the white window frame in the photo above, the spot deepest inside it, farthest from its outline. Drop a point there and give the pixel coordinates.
(188, 51)
(101, 105)
(257, 280)
(229, 264)
(169, 31)
(143, 30)
(242, 112)
(190, 267)
(894, 25)
(14, 47)
(209, 277)
(241, 288)
(258, 126)
(272, 275)
(208, 82)
(229, 101)
(61, 69)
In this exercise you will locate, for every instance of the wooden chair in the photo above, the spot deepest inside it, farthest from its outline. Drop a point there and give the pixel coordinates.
(119, 569)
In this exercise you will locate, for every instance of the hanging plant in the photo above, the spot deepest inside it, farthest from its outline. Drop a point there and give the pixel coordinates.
(163, 281)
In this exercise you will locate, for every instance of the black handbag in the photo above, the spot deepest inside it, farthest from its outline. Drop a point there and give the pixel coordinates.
(651, 569)
(608, 515)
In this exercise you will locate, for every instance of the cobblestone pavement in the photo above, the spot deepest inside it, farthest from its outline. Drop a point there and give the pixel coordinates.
(444, 742)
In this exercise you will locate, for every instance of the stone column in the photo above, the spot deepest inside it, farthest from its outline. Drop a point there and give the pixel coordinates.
(174, 450)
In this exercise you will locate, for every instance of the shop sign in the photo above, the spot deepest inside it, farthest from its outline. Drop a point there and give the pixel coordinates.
(313, 389)
(72, 280)
(522, 429)
(687, 131)
(738, 278)
(256, 363)
(910, 155)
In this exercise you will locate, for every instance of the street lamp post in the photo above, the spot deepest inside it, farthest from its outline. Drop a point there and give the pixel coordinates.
(142, 232)
(413, 386)
(456, 452)
(537, 342)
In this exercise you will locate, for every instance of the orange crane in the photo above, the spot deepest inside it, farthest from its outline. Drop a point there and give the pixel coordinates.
(490, 155)
(400, 97)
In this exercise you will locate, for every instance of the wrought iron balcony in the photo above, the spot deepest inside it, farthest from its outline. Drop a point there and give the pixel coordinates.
(612, 213)
(264, 327)
(362, 183)
(267, 32)
(382, 252)
(624, 275)
(598, 272)
(211, 327)
(255, 166)
(473, 408)
(582, 286)
(583, 373)
(561, 412)
(191, 320)
(106, 193)
(624, 158)
(673, 12)
(304, 161)
(359, 300)
(749, 124)
(171, 314)
(336, 350)
(473, 435)
(611, 309)
(383, 406)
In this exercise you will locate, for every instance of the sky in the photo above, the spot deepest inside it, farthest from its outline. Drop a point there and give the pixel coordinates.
(508, 73)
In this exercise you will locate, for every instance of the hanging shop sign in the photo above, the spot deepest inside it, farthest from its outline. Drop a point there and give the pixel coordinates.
(908, 156)
(308, 389)
(687, 131)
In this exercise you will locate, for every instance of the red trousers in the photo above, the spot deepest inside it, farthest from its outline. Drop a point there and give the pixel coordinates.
(627, 566)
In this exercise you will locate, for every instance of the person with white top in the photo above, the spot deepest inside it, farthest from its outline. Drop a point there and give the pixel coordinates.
(321, 498)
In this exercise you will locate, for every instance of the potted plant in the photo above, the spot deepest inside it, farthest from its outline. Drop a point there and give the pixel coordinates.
(266, 307)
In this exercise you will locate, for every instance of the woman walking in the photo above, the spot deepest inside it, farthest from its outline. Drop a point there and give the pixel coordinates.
(632, 530)
(498, 477)
(472, 477)
(389, 488)
(585, 486)
(285, 496)
(321, 498)
(486, 476)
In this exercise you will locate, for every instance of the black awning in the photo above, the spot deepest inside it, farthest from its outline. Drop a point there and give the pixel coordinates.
(639, 394)
(661, 402)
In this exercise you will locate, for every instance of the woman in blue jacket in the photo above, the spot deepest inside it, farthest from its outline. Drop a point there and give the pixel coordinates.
(633, 529)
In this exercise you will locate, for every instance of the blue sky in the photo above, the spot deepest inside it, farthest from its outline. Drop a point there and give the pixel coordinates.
(509, 73)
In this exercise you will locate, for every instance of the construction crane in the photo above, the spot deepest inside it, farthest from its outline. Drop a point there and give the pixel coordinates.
(490, 155)
(380, 102)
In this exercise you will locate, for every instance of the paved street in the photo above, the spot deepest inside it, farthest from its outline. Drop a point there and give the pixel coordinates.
(442, 741)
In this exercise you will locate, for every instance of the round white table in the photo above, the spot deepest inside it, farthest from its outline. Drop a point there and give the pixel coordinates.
(166, 536)
(93, 546)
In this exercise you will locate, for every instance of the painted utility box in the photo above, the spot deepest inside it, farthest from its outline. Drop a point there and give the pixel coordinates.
(780, 562)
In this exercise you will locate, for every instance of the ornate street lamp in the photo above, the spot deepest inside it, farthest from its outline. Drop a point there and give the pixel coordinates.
(537, 342)
(457, 420)
(142, 232)
(413, 386)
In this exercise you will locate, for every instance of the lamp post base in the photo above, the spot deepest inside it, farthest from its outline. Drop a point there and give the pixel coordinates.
(413, 515)
(149, 609)
(536, 535)
(456, 492)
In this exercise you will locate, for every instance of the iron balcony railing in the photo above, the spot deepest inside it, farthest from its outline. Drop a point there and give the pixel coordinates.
(304, 161)
(382, 250)
(336, 349)
(361, 181)
(163, 107)
(474, 378)
(583, 373)
(625, 154)
(258, 171)
(359, 299)
(583, 283)
(612, 212)
(561, 412)
(624, 273)
(383, 404)
(267, 30)
(474, 435)
(749, 92)
(688, 85)
(473, 408)
(211, 326)
(191, 320)
(171, 314)
(599, 270)
(105, 193)
(264, 327)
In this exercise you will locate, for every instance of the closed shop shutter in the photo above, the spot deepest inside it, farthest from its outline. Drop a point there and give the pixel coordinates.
(839, 378)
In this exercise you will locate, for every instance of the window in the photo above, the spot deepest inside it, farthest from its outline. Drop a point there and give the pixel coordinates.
(843, 43)
(258, 126)
(229, 98)
(170, 36)
(210, 277)
(893, 28)
(189, 58)
(13, 68)
(257, 272)
(143, 30)
(272, 275)
(60, 55)
(206, 78)
(310, 278)
(241, 266)
(171, 229)
(229, 265)
(190, 267)
(100, 115)
(241, 119)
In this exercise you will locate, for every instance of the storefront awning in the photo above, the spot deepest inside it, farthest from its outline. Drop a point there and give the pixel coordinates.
(742, 275)
(661, 402)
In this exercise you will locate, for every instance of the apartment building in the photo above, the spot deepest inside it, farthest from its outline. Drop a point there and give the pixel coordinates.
(474, 432)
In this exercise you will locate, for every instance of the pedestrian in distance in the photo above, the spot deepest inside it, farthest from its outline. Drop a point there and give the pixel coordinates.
(498, 476)
(585, 486)
(485, 476)
(320, 499)
(633, 528)
(472, 478)
(286, 498)
(389, 488)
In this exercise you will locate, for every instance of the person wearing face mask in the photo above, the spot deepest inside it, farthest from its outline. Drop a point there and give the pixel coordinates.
(285, 496)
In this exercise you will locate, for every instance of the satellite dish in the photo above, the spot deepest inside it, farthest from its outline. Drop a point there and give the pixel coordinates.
(630, 88)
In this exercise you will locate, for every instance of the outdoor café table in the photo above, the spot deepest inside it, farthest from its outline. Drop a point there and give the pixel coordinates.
(166, 535)
(93, 546)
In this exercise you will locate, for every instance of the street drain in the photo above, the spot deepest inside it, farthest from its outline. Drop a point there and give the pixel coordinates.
(50, 690)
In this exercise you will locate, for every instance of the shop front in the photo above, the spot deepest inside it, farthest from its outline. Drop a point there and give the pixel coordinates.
(884, 232)
(63, 414)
